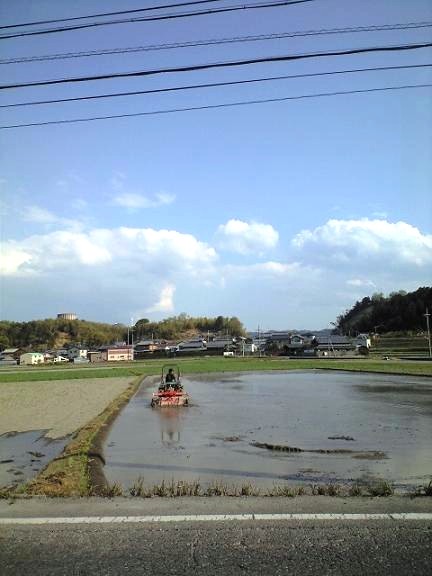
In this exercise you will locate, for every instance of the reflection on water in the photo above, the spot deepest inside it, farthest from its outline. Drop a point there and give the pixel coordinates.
(170, 424)
(323, 413)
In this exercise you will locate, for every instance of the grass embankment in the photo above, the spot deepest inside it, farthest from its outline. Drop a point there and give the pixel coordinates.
(68, 474)
(390, 345)
(220, 364)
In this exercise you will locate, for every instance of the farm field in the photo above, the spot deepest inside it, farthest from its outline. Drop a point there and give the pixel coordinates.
(217, 364)
(38, 419)
(55, 406)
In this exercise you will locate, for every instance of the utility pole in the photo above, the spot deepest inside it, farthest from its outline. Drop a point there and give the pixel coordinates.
(259, 342)
(428, 330)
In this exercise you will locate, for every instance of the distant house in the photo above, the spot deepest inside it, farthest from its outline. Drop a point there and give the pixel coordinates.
(221, 344)
(192, 345)
(145, 347)
(95, 356)
(77, 352)
(333, 344)
(362, 340)
(288, 344)
(118, 353)
(14, 352)
(30, 358)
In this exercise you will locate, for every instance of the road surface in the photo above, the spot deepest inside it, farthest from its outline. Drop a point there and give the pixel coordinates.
(187, 536)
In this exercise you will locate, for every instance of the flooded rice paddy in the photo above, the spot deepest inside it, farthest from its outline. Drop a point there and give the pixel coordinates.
(24, 454)
(272, 428)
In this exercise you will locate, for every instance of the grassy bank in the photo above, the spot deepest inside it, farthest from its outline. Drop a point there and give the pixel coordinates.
(220, 364)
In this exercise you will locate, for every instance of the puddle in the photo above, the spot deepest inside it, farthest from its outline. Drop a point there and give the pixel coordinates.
(385, 420)
(24, 454)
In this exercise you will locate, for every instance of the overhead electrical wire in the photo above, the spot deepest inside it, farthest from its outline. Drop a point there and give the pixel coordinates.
(215, 106)
(207, 12)
(104, 14)
(216, 84)
(217, 41)
(208, 66)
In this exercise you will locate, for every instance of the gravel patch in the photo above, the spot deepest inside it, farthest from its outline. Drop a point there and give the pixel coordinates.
(58, 406)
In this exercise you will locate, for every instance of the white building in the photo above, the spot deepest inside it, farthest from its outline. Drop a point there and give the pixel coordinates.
(362, 340)
(32, 358)
(77, 352)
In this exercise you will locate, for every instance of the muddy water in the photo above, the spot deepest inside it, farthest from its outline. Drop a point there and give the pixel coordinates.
(24, 454)
(381, 424)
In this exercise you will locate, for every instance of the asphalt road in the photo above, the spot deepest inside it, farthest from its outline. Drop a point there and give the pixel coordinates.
(96, 543)
(254, 547)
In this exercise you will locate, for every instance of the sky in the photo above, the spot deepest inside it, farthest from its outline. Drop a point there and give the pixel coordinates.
(282, 213)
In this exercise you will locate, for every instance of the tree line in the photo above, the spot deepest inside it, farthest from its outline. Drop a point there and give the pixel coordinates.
(54, 333)
(177, 327)
(398, 312)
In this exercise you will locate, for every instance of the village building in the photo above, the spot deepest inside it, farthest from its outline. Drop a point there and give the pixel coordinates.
(30, 358)
(221, 344)
(192, 345)
(95, 356)
(118, 353)
(76, 352)
(15, 353)
(145, 347)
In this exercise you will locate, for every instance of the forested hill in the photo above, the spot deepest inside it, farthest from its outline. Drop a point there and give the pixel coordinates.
(400, 311)
(55, 333)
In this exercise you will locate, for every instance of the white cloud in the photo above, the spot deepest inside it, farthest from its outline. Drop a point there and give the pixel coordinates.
(380, 214)
(12, 257)
(247, 237)
(112, 273)
(134, 201)
(268, 269)
(38, 215)
(165, 302)
(134, 247)
(360, 283)
(369, 243)
(102, 273)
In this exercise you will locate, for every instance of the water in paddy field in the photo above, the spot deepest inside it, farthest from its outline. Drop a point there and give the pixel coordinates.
(24, 454)
(384, 423)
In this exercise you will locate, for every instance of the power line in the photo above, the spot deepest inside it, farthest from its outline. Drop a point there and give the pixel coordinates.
(215, 84)
(215, 106)
(103, 14)
(217, 41)
(171, 16)
(208, 66)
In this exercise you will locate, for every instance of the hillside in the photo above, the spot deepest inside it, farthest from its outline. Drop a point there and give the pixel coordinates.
(398, 312)
(56, 333)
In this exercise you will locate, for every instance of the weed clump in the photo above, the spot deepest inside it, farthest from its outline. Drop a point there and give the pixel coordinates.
(218, 488)
(137, 488)
(428, 489)
(381, 488)
(112, 490)
(355, 490)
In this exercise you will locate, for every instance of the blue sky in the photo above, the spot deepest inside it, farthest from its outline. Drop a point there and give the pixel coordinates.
(282, 214)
